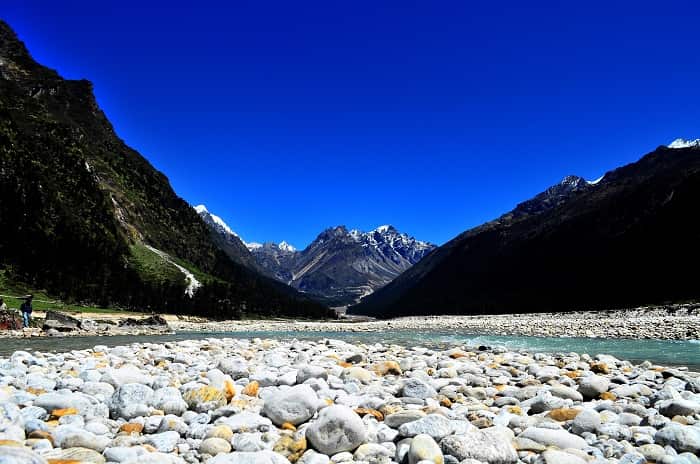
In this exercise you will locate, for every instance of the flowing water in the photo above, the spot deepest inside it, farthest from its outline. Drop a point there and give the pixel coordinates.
(664, 352)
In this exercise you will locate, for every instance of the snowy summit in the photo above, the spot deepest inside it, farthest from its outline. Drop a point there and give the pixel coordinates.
(683, 143)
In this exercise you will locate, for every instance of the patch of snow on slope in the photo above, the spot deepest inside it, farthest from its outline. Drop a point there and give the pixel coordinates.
(682, 143)
(253, 245)
(594, 182)
(192, 283)
(284, 246)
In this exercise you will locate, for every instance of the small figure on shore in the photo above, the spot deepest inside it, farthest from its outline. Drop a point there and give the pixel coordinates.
(26, 309)
(3, 306)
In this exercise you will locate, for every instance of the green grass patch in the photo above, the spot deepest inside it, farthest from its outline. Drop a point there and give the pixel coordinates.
(152, 267)
(12, 292)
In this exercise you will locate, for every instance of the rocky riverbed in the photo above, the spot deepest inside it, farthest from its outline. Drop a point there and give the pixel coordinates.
(258, 401)
(675, 322)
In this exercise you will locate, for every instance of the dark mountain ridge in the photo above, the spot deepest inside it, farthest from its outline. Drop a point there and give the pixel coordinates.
(79, 209)
(622, 241)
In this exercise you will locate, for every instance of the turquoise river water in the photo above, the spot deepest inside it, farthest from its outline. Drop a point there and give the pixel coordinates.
(664, 352)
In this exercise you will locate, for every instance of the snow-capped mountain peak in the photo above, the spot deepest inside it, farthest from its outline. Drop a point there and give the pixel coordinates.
(216, 221)
(254, 246)
(682, 143)
(383, 229)
(284, 246)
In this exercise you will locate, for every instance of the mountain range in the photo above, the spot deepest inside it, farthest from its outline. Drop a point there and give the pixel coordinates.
(628, 238)
(89, 219)
(338, 268)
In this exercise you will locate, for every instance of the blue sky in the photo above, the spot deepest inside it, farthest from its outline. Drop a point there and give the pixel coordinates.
(288, 117)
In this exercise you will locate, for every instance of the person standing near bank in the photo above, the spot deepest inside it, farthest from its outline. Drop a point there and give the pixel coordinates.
(26, 309)
(3, 306)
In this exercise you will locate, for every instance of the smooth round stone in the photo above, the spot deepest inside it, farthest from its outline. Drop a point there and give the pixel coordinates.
(357, 373)
(294, 405)
(85, 439)
(307, 372)
(76, 454)
(424, 448)
(397, 419)
(593, 385)
(244, 457)
(566, 393)
(205, 398)
(492, 445)
(220, 431)
(17, 455)
(98, 428)
(245, 422)
(235, 367)
(561, 457)
(122, 453)
(416, 388)
(434, 425)
(214, 446)
(652, 452)
(169, 400)
(130, 400)
(372, 453)
(126, 374)
(680, 437)
(312, 457)
(553, 437)
(164, 442)
(678, 407)
(338, 428)
(9, 415)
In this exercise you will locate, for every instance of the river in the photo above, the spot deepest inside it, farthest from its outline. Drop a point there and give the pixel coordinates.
(664, 352)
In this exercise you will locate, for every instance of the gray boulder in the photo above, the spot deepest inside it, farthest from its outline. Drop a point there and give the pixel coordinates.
(493, 445)
(338, 428)
(131, 400)
(294, 405)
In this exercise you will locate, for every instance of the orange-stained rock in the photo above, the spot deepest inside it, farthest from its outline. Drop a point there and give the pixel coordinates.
(344, 364)
(41, 434)
(290, 448)
(229, 389)
(35, 391)
(288, 426)
(11, 443)
(157, 412)
(64, 412)
(445, 401)
(608, 396)
(515, 410)
(459, 354)
(131, 427)
(372, 412)
(328, 401)
(501, 388)
(600, 368)
(573, 374)
(564, 414)
(387, 368)
(63, 461)
(252, 388)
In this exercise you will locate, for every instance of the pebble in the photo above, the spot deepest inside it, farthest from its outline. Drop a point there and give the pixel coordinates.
(316, 402)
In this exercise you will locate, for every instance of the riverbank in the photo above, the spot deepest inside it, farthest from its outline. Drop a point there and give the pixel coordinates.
(223, 401)
(679, 322)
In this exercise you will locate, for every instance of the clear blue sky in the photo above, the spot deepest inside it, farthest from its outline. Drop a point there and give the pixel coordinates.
(287, 117)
